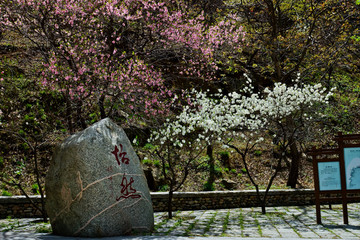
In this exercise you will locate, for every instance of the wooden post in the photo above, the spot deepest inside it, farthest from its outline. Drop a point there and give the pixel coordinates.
(316, 186)
(343, 178)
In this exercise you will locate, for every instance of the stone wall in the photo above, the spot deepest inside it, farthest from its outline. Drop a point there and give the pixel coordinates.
(19, 206)
(231, 199)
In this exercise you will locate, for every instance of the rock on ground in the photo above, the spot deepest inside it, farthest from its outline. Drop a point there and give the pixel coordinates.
(96, 187)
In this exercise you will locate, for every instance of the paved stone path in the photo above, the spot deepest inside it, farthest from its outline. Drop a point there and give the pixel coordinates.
(249, 223)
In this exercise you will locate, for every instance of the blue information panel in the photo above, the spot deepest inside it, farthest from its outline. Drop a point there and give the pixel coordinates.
(329, 176)
(352, 168)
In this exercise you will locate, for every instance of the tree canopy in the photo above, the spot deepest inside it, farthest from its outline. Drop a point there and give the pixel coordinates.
(66, 64)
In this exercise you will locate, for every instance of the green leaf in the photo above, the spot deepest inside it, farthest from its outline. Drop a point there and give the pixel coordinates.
(358, 2)
(356, 38)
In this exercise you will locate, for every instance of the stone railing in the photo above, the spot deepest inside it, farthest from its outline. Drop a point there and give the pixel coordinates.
(19, 206)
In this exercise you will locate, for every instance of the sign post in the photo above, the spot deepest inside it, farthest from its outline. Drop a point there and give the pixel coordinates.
(337, 173)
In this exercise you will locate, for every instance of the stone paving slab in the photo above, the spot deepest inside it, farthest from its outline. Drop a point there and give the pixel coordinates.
(249, 223)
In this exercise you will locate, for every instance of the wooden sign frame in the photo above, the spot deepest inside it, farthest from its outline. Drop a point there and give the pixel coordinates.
(331, 173)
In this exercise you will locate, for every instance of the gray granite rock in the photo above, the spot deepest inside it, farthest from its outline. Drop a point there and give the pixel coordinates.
(96, 187)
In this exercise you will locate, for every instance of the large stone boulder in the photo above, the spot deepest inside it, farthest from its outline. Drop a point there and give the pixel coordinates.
(95, 186)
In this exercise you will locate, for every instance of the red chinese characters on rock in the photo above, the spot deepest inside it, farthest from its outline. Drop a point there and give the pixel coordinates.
(120, 155)
(127, 191)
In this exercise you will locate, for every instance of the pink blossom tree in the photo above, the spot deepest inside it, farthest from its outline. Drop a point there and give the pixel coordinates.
(121, 57)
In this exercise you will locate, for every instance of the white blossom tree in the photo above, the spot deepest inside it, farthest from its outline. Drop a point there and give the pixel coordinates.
(219, 117)
(286, 112)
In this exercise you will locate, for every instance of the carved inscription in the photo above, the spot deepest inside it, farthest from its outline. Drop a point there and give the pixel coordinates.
(120, 155)
(127, 190)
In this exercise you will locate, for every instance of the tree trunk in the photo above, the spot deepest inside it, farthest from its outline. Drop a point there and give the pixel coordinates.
(101, 106)
(264, 200)
(69, 113)
(294, 154)
(170, 203)
(211, 179)
(80, 116)
(263, 207)
(37, 174)
(294, 167)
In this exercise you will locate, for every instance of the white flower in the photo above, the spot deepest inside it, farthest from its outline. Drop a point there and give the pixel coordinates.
(214, 115)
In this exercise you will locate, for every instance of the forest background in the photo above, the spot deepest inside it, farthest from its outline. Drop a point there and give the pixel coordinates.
(66, 64)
